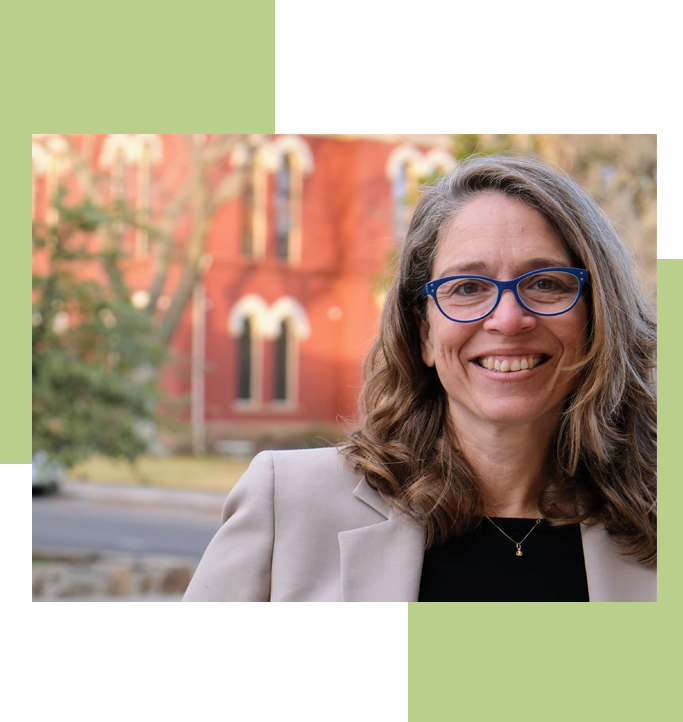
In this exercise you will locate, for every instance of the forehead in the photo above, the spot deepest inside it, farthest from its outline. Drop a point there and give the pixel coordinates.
(496, 234)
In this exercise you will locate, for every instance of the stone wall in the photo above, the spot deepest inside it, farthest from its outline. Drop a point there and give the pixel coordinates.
(65, 574)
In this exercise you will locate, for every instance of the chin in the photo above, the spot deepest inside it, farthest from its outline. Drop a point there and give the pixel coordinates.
(514, 414)
(509, 419)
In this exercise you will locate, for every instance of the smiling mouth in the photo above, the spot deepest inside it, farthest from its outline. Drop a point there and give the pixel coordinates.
(511, 364)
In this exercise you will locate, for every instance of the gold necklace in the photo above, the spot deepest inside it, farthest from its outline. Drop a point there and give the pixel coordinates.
(518, 544)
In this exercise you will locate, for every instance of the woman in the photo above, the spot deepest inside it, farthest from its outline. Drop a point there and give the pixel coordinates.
(507, 448)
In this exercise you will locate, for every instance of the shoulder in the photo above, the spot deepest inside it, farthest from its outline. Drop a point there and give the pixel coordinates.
(304, 469)
(310, 464)
(613, 577)
(306, 472)
(308, 484)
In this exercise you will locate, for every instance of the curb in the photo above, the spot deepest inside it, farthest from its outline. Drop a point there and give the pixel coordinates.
(209, 501)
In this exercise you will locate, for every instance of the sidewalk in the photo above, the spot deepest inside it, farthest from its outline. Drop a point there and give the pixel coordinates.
(206, 501)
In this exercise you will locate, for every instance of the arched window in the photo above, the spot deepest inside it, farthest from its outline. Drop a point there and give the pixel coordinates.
(406, 168)
(138, 152)
(287, 159)
(285, 323)
(288, 327)
(290, 159)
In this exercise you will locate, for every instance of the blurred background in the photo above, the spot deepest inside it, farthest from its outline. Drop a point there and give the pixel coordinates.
(199, 298)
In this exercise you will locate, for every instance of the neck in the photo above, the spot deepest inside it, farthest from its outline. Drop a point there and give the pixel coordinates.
(509, 461)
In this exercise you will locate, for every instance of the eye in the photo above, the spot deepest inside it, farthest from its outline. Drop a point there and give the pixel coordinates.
(468, 288)
(465, 292)
(548, 283)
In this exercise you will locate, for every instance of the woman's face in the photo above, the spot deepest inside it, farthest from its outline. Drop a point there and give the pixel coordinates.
(501, 237)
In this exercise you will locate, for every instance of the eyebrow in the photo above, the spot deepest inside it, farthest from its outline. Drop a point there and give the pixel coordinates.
(480, 268)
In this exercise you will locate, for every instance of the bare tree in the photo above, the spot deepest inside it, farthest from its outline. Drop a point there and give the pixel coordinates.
(191, 191)
(97, 343)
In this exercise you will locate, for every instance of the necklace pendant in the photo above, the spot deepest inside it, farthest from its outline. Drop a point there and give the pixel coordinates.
(519, 551)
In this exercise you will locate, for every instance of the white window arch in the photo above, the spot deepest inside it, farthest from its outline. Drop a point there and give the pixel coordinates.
(249, 323)
(288, 307)
(294, 146)
(403, 156)
(406, 166)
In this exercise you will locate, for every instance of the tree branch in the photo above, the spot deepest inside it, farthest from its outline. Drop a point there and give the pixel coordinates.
(195, 251)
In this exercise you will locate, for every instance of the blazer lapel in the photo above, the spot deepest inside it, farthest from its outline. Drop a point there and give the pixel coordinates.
(381, 562)
(611, 576)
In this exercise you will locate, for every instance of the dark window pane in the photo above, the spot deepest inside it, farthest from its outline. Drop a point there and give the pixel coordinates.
(248, 206)
(281, 363)
(244, 370)
(283, 200)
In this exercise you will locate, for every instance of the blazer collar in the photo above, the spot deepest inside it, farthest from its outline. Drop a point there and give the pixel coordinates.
(381, 562)
(371, 497)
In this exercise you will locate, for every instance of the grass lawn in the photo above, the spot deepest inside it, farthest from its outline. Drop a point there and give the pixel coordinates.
(209, 473)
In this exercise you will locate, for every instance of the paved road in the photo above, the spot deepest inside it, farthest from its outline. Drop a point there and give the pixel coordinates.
(61, 522)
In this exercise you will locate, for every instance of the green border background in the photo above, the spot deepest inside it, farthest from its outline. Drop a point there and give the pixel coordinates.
(299, 67)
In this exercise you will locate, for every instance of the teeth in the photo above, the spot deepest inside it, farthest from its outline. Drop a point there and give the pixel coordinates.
(506, 366)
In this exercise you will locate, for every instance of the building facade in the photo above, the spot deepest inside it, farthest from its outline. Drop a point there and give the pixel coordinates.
(272, 342)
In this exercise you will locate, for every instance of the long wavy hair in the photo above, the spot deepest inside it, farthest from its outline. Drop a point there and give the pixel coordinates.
(602, 465)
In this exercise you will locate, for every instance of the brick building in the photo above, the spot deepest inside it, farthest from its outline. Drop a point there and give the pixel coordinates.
(272, 342)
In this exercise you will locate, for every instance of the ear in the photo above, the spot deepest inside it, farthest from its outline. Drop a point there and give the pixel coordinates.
(426, 344)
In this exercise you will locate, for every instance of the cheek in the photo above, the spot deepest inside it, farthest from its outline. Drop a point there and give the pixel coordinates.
(577, 333)
(448, 340)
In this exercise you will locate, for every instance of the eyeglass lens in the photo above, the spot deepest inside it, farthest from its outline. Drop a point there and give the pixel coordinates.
(546, 292)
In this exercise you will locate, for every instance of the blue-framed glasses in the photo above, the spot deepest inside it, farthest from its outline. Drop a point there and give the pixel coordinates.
(546, 292)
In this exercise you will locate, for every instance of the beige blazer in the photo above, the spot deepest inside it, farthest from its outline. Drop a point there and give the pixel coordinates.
(300, 526)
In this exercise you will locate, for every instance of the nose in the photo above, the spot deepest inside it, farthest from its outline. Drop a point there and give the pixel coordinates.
(509, 317)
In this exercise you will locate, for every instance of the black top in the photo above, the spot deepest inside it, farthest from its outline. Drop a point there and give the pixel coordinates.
(483, 565)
